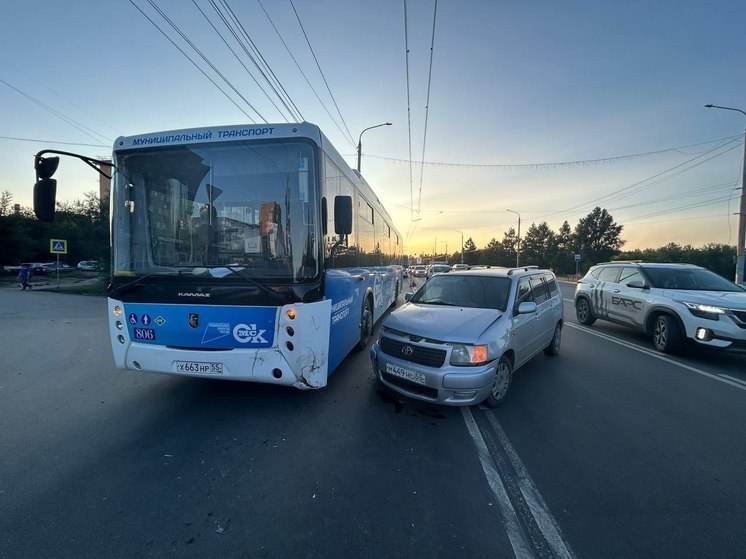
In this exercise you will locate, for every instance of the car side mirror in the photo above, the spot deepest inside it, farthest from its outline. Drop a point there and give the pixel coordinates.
(636, 284)
(408, 297)
(527, 307)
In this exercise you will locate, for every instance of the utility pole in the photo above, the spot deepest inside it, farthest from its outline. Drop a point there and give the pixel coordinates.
(740, 254)
(518, 243)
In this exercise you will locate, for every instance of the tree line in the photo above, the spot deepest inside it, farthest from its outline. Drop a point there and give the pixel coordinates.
(596, 237)
(83, 223)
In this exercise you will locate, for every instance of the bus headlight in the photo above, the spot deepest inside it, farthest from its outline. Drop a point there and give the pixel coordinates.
(468, 354)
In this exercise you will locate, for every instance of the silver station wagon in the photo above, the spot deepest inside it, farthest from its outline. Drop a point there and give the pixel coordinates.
(458, 339)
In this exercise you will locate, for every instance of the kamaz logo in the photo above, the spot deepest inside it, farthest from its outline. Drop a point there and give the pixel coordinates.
(619, 301)
(249, 333)
(192, 294)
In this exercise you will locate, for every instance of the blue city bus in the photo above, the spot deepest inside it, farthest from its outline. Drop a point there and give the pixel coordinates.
(248, 253)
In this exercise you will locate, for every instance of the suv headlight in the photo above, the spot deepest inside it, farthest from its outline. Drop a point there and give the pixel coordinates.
(468, 354)
(704, 311)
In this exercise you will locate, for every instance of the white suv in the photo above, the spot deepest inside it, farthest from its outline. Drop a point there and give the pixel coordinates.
(671, 302)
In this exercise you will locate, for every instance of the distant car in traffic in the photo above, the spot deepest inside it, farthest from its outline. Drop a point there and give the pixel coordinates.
(459, 338)
(438, 269)
(37, 268)
(672, 303)
(89, 266)
(456, 267)
(52, 267)
(419, 271)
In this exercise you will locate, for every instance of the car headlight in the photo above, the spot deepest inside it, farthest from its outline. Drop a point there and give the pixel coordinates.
(704, 311)
(468, 354)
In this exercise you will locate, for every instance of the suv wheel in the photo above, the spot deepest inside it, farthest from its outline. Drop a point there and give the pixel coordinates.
(667, 334)
(500, 383)
(583, 312)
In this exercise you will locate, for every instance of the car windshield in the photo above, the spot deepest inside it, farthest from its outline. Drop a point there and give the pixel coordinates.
(692, 279)
(465, 291)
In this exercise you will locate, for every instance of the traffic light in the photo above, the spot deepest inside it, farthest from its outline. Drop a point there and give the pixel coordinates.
(45, 189)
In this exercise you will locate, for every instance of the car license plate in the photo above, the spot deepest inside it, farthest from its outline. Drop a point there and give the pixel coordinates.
(204, 368)
(407, 374)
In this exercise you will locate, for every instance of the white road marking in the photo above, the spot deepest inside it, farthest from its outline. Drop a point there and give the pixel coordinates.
(651, 353)
(516, 535)
(539, 509)
(738, 380)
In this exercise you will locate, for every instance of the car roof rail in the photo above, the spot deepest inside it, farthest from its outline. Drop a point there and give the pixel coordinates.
(621, 262)
(522, 269)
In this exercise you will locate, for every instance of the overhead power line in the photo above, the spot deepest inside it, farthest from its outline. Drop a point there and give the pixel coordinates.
(300, 69)
(259, 61)
(193, 62)
(550, 165)
(427, 104)
(352, 140)
(413, 223)
(238, 58)
(72, 122)
(205, 58)
(54, 142)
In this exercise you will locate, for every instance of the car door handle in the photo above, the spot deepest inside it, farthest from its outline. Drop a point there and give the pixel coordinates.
(616, 291)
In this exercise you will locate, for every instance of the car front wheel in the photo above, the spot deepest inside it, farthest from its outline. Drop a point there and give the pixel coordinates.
(667, 334)
(500, 383)
(554, 346)
(583, 312)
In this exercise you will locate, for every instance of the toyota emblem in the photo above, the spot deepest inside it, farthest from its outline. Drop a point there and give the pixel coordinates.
(407, 350)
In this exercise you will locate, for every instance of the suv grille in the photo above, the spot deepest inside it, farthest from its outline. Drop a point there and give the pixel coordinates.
(740, 316)
(421, 355)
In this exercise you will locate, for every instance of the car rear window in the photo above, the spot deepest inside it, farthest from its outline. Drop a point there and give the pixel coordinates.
(465, 291)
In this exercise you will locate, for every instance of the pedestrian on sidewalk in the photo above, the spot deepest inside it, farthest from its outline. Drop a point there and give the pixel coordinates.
(24, 273)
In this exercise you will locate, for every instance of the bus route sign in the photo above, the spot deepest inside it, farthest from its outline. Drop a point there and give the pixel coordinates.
(58, 246)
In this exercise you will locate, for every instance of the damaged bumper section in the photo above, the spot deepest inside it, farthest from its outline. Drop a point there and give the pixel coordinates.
(297, 352)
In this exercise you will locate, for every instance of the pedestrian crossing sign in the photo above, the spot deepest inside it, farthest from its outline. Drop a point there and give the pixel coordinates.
(57, 246)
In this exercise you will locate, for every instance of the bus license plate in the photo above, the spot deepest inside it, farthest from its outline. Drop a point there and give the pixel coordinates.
(407, 374)
(209, 368)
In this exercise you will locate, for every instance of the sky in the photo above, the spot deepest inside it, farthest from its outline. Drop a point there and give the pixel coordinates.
(544, 108)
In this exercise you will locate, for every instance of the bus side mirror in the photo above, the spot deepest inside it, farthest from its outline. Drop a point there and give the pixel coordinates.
(343, 215)
(45, 189)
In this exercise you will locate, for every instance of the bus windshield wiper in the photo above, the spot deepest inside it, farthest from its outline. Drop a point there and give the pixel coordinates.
(118, 290)
(240, 272)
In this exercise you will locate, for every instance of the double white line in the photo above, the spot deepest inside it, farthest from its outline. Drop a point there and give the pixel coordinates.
(546, 523)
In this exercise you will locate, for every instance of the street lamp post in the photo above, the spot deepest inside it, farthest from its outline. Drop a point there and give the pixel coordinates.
(446, 243)
(518, 244)
(462, 244)
(360, 139)
(740, 254)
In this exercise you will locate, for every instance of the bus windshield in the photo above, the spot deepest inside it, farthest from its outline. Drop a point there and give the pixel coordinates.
(217, 210)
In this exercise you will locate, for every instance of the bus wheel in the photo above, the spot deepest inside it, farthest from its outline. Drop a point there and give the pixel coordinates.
(366, 326)
(396, 295)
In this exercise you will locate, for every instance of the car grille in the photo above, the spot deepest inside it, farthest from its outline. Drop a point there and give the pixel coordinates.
(410, 386)
(741, 316)
(421, 355)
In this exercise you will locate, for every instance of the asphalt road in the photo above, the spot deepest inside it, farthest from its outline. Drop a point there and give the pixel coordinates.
(607, 450)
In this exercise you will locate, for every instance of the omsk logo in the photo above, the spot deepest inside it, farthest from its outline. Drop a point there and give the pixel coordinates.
(407, 350)
(248, 333)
